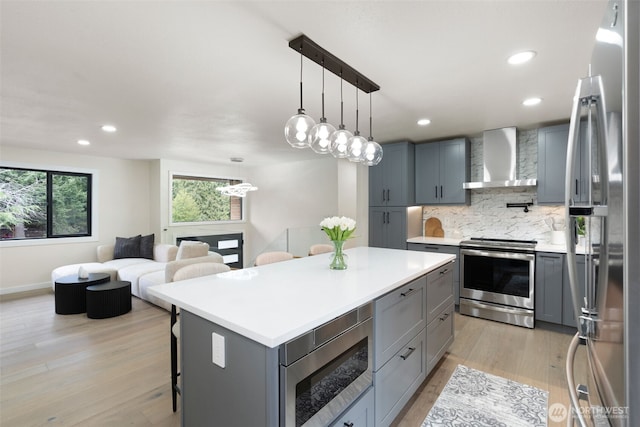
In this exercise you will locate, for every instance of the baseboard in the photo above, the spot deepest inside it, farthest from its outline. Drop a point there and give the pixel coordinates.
(25, 288)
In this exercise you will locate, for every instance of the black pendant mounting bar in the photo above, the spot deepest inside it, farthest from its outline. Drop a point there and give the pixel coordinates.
(310, 49)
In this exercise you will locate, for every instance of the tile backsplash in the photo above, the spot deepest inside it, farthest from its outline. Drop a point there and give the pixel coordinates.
(487, 215)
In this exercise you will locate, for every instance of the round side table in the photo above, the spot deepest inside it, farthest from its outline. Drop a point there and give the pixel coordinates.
(70, 292)
(108, 300)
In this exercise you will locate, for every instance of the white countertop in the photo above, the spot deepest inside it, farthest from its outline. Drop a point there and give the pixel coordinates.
(435, 240)
(274, 303)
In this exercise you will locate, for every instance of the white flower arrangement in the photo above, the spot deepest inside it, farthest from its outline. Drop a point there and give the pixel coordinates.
(338, 228)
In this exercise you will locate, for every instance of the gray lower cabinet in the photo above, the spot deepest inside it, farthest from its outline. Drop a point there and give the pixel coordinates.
(413, 328)
(360, 414)
(440, 335)
(398, 317)
(568, 316)
(399, 378)
(446, 249)
(548, 286)
(553, 301)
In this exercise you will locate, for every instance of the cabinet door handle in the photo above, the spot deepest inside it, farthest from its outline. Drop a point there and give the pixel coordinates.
(443, 318)
(436, 187)
(445, 271)
(409, 292)
(388, 195)
(576, 187)
(383, 198)
(387, 217)
(346, 424)
(441, 191)
(408, 353)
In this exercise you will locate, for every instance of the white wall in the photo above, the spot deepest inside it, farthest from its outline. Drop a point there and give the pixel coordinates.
(122, 209)
(290, 195)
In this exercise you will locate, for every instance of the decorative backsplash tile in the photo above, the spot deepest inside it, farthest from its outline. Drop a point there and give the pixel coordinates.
(487, 215)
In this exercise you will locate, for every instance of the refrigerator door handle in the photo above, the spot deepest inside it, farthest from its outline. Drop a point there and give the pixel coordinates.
(589, 93)
(571, 235)
(573, 394)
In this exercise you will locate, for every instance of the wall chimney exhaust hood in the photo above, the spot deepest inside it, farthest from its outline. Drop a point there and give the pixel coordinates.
(500, 161)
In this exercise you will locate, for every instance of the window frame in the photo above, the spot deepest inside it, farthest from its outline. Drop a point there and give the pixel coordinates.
(92, 205)
(173, 174)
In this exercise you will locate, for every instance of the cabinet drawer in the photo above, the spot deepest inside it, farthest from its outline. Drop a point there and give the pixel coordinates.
(439, 290)
(440, 334)
(360, 414)
(396, 382)
(398, 317)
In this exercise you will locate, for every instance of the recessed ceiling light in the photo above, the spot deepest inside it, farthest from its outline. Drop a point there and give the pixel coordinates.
(423, 122)
(83, 142)
(531, 101)
(521, 57)
(109, 128)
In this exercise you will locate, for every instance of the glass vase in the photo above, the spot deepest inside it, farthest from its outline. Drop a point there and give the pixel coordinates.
(338, 257)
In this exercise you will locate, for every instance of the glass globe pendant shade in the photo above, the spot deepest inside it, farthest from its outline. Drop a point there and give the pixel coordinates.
(372, 153)
(339, 140)
(320, 137)
(355, 148)
(298, 128)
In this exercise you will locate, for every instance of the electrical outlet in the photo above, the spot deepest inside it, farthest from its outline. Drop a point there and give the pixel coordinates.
(218, 349)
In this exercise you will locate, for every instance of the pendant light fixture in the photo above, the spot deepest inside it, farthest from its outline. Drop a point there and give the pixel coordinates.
(298, 127)
(301, 131)
(372, 150)
(320, 133)
(356, 143)
(340, 138)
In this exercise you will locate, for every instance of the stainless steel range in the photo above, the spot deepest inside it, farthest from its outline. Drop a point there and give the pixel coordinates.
(497, 280)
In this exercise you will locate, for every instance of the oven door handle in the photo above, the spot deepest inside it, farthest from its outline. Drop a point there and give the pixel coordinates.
(524, 256)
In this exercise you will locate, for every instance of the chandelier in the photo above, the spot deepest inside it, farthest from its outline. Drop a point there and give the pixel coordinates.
(301, 131)
(237, 190)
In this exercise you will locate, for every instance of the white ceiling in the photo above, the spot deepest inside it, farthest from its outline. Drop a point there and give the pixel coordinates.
(210, 80)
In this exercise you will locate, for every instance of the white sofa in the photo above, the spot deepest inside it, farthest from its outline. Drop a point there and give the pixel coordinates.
(141, 272)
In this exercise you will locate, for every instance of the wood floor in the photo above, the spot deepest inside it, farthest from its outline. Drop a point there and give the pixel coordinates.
(71, 370)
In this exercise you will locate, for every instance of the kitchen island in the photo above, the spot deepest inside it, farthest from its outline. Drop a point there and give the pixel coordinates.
(233, 324)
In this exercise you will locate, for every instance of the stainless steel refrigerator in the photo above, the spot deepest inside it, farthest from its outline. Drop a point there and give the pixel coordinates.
(602, 193)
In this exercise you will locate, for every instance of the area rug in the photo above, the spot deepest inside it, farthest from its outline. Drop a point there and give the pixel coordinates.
(475, 398)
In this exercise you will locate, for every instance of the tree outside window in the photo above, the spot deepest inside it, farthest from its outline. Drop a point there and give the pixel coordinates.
(37, 204)
(196, 199)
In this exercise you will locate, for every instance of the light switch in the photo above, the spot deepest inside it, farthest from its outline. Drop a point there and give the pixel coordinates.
(217, 349)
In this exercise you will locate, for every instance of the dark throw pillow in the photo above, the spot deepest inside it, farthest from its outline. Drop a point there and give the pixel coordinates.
(127, 247)
(146, 246)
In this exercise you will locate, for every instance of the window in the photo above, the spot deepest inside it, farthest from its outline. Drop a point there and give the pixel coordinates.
(40, 204)
(196, 199)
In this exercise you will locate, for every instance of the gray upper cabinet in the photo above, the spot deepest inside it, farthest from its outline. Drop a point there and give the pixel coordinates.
(392, 181)
(441, 169)
(552, 165)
